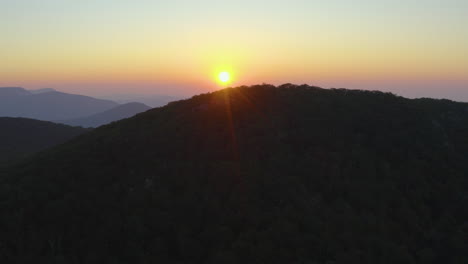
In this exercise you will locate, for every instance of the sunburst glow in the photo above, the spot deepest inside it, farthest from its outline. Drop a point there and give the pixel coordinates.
(224, 77)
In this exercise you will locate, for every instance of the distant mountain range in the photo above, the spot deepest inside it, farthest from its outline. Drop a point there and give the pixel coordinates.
(117, 113)
(20, 137)
(50, 105)
(43, 90)
(150, 100)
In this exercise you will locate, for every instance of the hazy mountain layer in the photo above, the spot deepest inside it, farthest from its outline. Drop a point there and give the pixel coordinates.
(49, 105)
(106, 117)
(148, 99)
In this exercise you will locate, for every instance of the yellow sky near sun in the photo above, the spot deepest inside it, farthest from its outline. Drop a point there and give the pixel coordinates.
(180, 41)
(197, 58)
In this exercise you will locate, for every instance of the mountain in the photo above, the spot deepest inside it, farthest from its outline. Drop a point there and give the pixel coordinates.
(20, 137)
(261, 174)
(49, 105)
(43, 90)
(106, 117)
(7, 92)
(147, 99)
(156, 100)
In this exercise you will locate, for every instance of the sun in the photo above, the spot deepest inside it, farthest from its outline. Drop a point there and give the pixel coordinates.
(224, 77)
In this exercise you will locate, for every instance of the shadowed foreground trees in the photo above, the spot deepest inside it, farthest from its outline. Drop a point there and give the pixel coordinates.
(261, 174)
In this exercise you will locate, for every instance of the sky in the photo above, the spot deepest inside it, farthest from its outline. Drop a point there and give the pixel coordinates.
(415, 48)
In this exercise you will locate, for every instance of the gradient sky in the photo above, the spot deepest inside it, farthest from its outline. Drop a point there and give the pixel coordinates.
(415, 47)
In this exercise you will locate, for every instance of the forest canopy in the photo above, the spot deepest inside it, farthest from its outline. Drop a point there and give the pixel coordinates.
(260, 174)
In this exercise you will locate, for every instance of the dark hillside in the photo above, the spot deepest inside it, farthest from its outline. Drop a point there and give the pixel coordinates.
(20, 137)
(294, 174)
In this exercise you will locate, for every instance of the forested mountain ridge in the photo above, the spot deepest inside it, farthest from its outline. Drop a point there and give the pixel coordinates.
(21, 137)
(261, 174)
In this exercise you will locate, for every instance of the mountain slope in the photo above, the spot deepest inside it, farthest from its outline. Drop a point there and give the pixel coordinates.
(52, 105)
(294, 174)
(156, 100)
(20, 137)
(43, 90)
(148, 99)
(6, 92)
(106, 117)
